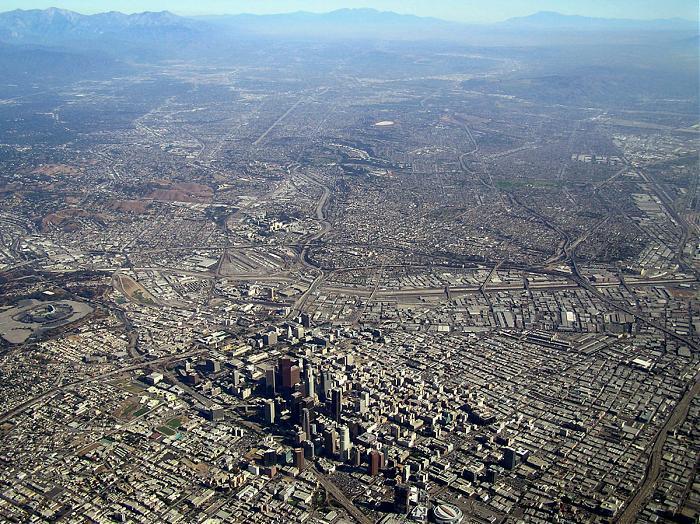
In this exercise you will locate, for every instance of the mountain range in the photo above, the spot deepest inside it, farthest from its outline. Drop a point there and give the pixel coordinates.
(60, 44)
(58, 26)
(552, 21)
(61, 27)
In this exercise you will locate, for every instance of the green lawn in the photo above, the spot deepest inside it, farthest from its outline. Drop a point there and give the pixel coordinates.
(173, 423)
(141, 411)
(165, 430)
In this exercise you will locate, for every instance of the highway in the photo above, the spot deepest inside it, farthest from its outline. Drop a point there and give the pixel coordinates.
(338, 495)
(678, 413)
(285, 115)
(276, 122)
(585, 283)
(654, 466)
(680, 410)
(304, 255)
(17, 410)
(466, 290)
(487, 280)
(670, 208)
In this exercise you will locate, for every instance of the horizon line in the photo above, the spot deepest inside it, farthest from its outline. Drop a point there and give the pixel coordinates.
(184, 14)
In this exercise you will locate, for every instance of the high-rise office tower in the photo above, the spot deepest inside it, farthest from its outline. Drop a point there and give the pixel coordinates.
(336, 405)
(356, 457)
(509, 458)
(326, 385)
(402, 498)
(270, 381)
(375, 459)
(290, 373)
(345, 444)
(269, 458)
(285, 365)
(309, 450)
(331, 439)
(306, 422)
(309, 381)
(406, 473)
(269, 411)
(299, 458)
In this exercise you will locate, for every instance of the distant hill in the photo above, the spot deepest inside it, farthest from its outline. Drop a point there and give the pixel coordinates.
(369, 23)
(552, 21)
(154, 34)
(340, 16)
(26, 64)
(58, 26)
(340, 23)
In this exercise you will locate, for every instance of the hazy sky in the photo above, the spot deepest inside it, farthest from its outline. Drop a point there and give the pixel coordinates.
(461, 10)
